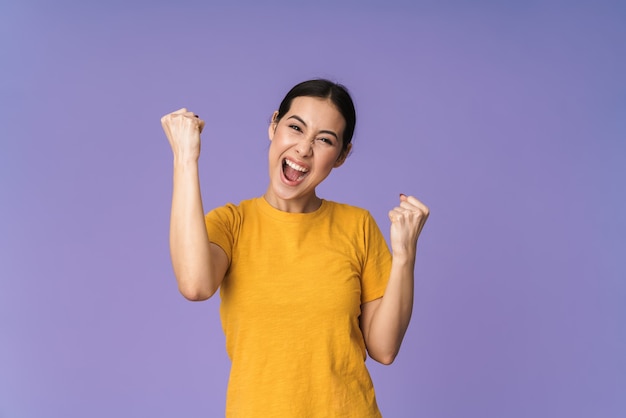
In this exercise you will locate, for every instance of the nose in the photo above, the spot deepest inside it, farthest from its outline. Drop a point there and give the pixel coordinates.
(305, 147)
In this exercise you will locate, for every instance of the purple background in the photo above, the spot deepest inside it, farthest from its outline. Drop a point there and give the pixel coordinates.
(507, 118)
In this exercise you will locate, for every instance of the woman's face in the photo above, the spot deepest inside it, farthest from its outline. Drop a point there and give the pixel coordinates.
(306, 144)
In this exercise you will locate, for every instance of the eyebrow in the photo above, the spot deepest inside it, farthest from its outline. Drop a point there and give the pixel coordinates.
(304, 123)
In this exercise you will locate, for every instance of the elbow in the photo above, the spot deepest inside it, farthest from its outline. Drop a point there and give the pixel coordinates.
(383, 350)
(194, 296)
(385, 358)
(195, 293)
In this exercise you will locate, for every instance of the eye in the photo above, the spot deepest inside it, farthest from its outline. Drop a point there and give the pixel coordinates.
(325, 140)
(295, 128)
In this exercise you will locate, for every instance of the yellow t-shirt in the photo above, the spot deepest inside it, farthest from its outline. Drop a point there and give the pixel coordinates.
(290, 306)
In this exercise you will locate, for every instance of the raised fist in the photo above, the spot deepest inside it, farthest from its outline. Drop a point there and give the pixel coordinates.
(183, 129)
(407, 221)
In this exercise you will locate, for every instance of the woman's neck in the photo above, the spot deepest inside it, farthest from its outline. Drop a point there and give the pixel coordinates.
(305, 204)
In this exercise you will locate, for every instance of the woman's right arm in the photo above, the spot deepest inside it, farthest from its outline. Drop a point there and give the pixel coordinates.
(199, 265)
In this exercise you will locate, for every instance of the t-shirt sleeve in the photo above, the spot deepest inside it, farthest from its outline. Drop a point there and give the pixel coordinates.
(376, 264)
(222, 225)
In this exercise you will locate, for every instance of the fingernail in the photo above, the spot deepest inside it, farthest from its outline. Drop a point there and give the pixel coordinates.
(197, 116)
(402, 195)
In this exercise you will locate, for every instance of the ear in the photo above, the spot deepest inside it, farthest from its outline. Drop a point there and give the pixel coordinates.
(272, 128)
(342, 157)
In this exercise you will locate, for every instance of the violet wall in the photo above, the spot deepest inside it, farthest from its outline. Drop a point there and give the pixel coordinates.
(507, 118)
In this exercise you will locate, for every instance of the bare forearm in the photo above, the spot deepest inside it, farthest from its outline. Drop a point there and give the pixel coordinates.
(391, 318)
(384, 321)
(189, 242)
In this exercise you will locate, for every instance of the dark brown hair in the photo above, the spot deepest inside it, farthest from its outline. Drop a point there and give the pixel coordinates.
(325, 89)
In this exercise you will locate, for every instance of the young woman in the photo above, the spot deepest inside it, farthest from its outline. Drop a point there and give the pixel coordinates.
(307, 286)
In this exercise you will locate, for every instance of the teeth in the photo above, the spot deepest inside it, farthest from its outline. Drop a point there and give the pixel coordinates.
(295, 166)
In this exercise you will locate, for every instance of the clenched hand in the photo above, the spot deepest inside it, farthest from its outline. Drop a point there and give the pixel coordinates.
(183, 129)
(407, 221)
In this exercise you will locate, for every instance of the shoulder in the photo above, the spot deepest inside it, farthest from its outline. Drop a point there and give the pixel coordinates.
(347, 211)
(356, 219)
(346, 208)
(224, 224)
(233, 210)
(352, 219)
(230, 216)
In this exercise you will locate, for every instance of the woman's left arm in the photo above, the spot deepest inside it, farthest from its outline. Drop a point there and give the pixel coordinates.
(384, 321)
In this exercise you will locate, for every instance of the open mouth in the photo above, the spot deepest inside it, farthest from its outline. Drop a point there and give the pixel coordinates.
(294, 172)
